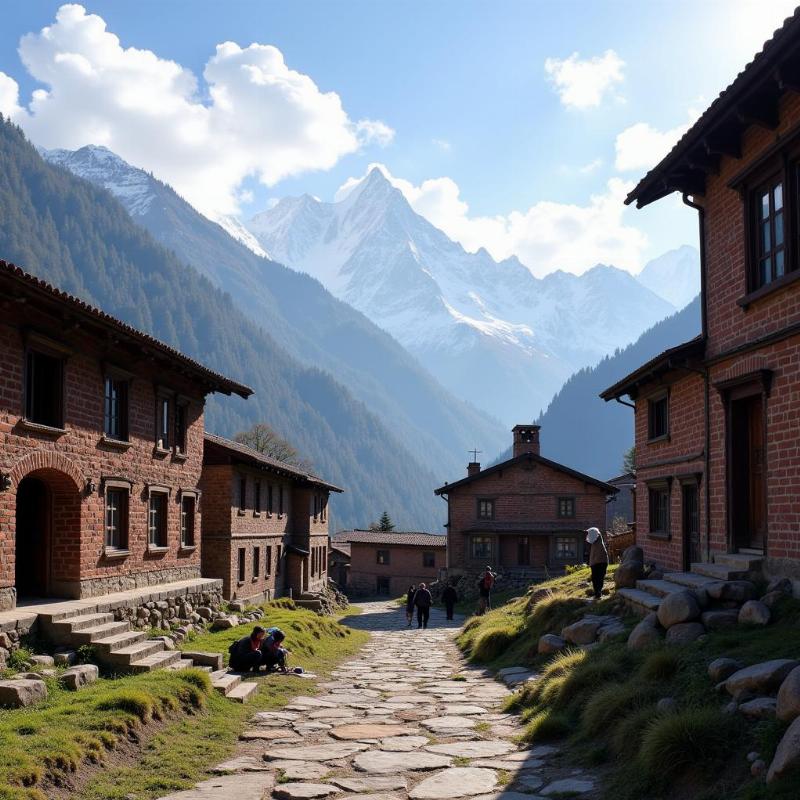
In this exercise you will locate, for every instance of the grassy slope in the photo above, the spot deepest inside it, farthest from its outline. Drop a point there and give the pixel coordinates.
(602, 702)
(45, 745)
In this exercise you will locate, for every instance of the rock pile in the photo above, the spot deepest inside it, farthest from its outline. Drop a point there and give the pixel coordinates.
(587, 631)
(174, 612)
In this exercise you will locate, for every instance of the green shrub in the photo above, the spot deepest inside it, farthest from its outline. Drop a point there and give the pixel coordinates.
(613, 703)
(693, 739)
(196, 677)
(660, 665)
(547, 725)
(140, 704)
(629, 729)
(491, 643)
(18, 659)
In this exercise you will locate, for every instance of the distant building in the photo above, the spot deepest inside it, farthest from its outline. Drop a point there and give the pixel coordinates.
(339, 555)
(388, 562)
(717, 418)
(523, 515)
(265, 523)
(622, 506)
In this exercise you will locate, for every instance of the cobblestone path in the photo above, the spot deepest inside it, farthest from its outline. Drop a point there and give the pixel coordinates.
(394, 724)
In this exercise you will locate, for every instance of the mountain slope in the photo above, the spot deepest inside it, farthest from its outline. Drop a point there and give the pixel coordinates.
(80, 238)
(491, 332)
(588, 434)
(673, 276)
(302, 316)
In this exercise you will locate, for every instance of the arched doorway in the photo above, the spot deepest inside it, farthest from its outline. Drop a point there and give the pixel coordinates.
(33, 538)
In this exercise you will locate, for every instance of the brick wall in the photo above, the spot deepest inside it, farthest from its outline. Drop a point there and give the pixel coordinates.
(405, 567)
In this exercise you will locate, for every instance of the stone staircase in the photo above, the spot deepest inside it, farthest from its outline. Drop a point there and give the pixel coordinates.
(647, 595)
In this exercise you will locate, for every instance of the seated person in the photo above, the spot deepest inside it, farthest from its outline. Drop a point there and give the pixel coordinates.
(272, 651)
(246, 653)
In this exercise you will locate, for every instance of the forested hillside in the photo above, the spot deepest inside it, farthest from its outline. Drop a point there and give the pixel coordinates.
(588, 434)
(80, 238)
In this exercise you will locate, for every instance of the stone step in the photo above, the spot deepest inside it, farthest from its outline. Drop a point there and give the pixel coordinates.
(223, 681)
(688, 580)
(73, 624)
(98, 633)
(118, 641)
(126, 656)
(67, 611)
(719, 572)
(199, 657)
(658, 588)
(640, 601)
(739, 561)
(165, 659)
(242, 692)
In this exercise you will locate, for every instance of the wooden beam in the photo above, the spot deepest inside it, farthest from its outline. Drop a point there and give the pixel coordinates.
(761, 110)
(704, 162)
(724, 143)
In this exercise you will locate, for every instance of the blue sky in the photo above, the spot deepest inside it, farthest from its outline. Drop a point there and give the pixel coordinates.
(456, 94)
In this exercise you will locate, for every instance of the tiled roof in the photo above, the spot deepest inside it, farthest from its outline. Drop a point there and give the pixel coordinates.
(243, 452)
(31, 284)
(412, 538)
(761, 65)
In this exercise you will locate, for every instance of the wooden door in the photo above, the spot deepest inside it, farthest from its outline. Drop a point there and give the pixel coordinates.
(32, 538)
(757, 517)
(523, 551)
(691, 525)
(746, 471)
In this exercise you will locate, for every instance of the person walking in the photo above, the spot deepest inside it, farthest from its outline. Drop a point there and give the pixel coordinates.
(410, 604)
(485, 586)
(423, 601)
(449, 598)
(598, 560)
(246, 652)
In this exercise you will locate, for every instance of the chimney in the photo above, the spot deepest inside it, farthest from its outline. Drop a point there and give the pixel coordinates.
(526, 439)
(473, 468)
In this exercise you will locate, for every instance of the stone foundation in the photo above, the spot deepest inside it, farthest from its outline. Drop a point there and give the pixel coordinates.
(8, 598)
(97, 587)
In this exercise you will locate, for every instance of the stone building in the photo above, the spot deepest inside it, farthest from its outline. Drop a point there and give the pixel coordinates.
(101, 448)
(265, 523)
(716, 418)
(386, 563)
(523, 515)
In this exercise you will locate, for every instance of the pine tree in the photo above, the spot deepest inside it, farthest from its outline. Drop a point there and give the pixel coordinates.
(385, 523)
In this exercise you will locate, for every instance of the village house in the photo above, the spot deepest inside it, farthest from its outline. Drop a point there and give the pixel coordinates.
(265, 523)
(521, 516)
(388, 562)
(716, 418)
(621, 509)
(101, 449)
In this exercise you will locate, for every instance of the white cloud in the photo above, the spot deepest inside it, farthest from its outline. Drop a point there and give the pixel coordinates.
(584, 83)
(252, 116)
(442, 144)
(545, 237)
(9, 96)
(642, 146)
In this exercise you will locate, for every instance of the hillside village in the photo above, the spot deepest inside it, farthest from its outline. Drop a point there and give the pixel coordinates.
(192, 604)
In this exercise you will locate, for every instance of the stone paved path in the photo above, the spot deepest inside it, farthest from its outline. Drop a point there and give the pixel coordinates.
(393, 724)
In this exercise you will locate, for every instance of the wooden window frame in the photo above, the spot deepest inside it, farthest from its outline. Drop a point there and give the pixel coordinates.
(279, 559)
(180, 425)
(280, 501)
(257, 497)
(429, 555)
(652, 401)
(162, 543)
(123, 379)
(242, 498)
(573, 504)
(489, 501)
(268, 560)
(41, 346)
(188, 542)
(123, 487)
(241, 565)
(163, 419)
(557, 553)
(488, 540)
(383, 557)
(270, 500)
(660, 486)
(256, 563)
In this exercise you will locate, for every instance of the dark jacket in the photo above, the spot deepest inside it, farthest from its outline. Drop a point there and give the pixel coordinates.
(423, 599)
(410, 599)
(598, 553)
(449, 596)
(240, 648)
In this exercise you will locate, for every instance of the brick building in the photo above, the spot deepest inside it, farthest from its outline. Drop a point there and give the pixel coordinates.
(521, 515)
(717, 423)
(101, 447)
(265, 523)
(388, 562)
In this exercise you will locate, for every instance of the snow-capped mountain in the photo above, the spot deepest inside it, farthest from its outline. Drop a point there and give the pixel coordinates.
(491, 331)
(674, 276)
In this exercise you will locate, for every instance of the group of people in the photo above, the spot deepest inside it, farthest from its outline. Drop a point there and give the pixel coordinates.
(262, 648)
(420, 598)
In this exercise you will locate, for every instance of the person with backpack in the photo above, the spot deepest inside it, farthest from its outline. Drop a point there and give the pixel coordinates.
(410, 604)
(423, 601)
(598, 560)
(449, 598)
(245, 653)
(485, 586)
(273, 653)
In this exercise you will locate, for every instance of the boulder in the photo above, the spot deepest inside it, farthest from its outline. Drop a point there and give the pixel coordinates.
(225, 623)
(787, 756)
(724, 618)
(666, 705)
(205, 612)
(782, 585)
(645, 634)
(760, 679)
(685, 632)
(758, 708)
(167, 641)
(5, 641)
(584, 631)
(735, 591)
(633, 553)
(788, 703)
(611, 631)
(75, 677)
(754, 612)
(720, 669)
(678, 607)
(550, 643)
(22, 693)
(65, 658)
(41, 661)
(627, 573)
(771, 599)
(236, 605)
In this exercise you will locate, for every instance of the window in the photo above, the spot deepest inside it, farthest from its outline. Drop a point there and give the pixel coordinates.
(188, 505)
(268, 560)
(428, 559)
(769, 240)
(242, 564)
(269, 500)
(482, 547)
(485, 509)
(323, 508)
(181, 421)
(157, 519)
(566, 507)
(242, 492)
(256, 562)
(44, 389)
(280, 501)
(382, 557)
(316, 507)
(658, 417)
(566, 548)
(383, 586)
(658, 497)
(115, 409)
(116, 518)
(313, 560)
(279, 560)
(162, 424)
(257, 497)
